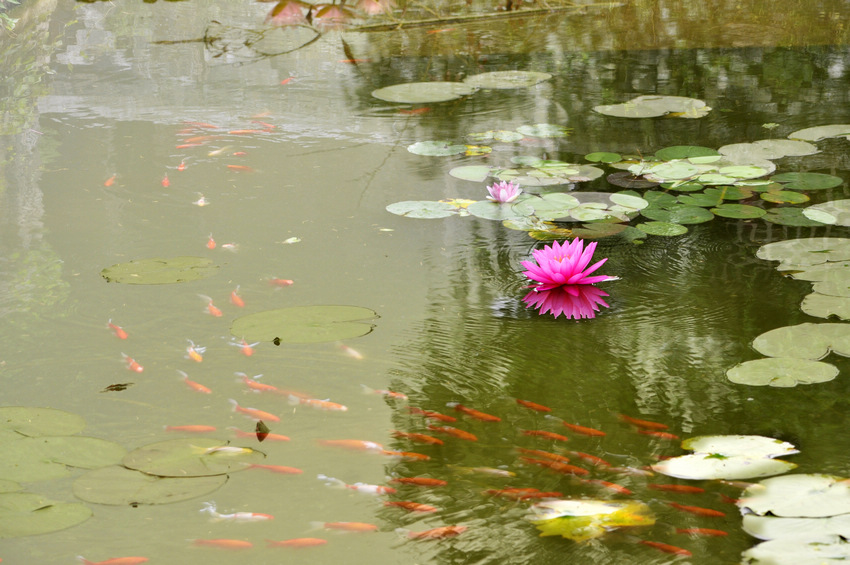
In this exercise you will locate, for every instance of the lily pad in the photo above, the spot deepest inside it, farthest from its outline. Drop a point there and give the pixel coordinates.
(36, 422)
(651, 106)
(823, 306)
(703, 199)
(160, 271)
(581, 520)
(806, 251)
(505, 136)
(685, 152)
(770, 527)
(804, 341)
(703, 466)
(658, 199)
(835, 212)
(496, 211)
(544, 130)
(672, 170)
(821, 132)
(44, 458)
(824, 550)
(729, 445)
(422, 209)
(9, 486)
(27, 514)
(678, 214)
(629, 201)
(807, 181)
(476, 173)
(190, 457)
(626, 179)
(506, 79)
(784, 197)
(801, 496)
(781, 372)
(683, 186)
(122, 486)
(436, 148)
(740, 211)
(603, 157)
(424, 92)
(662, 228)
(305, 324)
(831, 271)
(599, 230)
(789, 217)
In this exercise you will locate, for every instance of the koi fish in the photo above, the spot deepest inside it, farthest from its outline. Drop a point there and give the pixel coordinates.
(198, 387)
(232, 247)
(202, 201)
(201, 125)
(677, 488)
(110, 181)
(431, 414)
(492, 471)
(353, 444)
(631, 471)
(254, 385)
(280, 282)
(291, 240)
(544, 433)
(297, 542)
(387, 393)
(436, 533)
(247, 349)
(269, 436)
(117, 330)
(181, 166)
(592, 459)
(406, 455)
(242, 168)
(211, 243)
(238, 153)
(187, 145)
(317, 404)
(698, 510)
(345, 526)
(359, 487)
(211, 308)
(660, 435)
(235, 299)
(114, 561)
(244, 131)
(646, 424)
(132, 364)
(165, 182)
(544, 454)
(194, 352)
(192, 429)
(280, 469)
(460, 434)
(414, 111)
(701, 532)
(533, 405)
(265, 124)
(420, 481)
(224, 543)
(584, 430)
(253, 413)
(217, 152)
(666, 548)
(477, 414)
(556, 466)
(411, 506)
(209, 508)
(420, 438)
(286, 81)
(620, 489)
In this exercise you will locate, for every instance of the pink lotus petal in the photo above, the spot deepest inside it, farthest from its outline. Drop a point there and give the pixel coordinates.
(562, 264)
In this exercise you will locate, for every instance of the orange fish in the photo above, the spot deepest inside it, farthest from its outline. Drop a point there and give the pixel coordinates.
(244, 131)
(382, 392)
(118, 330)
(660, 435)
(701, 532)
(547, 435)
(253, 413)
(211, 308)
(420, 438)
(533, 405)
(557, 466)
(544, 454)
(297, 542)
(646, 424)
(414, 111)
(592, 459)
(286, 80)
(132, 364)
(238, 153)
(610, 486)
(235, 299)
(666, 548)
(281, 469)
(194, 352)
(247, 349)
(268, 436)
(110, 181)
(431, 414)
(677, 488)
(353, 444)
(192, 384)
(185, 145)
(243, 168)
(478, 415)
(347, 526)
(281, 282)
(224, 543)
(438, 533)
(200, 125)
(210, 242)
(584, 430)
(264, 124)
(460, 434)
(165, 182)
(411, 506)
(406, 455)
(420, 481)
(181, 166)
(317, 404)
(351, 352)
(192, 429)
(698, 510)
(114, 561)
(255, 385)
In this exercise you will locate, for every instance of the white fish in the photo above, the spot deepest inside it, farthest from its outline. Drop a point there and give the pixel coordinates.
(209, 508)
(359, 487)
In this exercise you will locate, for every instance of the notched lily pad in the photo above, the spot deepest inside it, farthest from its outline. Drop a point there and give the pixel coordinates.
(122, 486)
(807, 181)
(808, 495)
(160, 271)
(424, 92)
(806, 251)
(305, 324)
(834, 212)
(191, 457)
(662, 228)
(704, 466)
(781, 372)
(729, 445)
(824, 306)
(822, 550)
(27, 514)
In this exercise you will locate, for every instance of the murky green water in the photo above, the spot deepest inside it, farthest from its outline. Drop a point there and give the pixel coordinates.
(88, 96)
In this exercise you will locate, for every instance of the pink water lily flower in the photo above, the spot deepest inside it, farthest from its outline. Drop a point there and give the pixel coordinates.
(564, 264)
(573, 301)
(503, 192)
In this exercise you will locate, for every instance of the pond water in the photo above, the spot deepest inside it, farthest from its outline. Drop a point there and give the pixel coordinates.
(94, 111)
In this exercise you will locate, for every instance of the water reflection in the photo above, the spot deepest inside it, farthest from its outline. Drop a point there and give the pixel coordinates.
(575, 302)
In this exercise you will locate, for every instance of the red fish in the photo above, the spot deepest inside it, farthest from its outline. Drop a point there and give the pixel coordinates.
(414, 111)
(268, 436)
(460, 434)
(547, 435)
(244, 131)
(610, 486)
(256, 386)
(411, 506)
(646, 424)
(114, 561)
(438, 533)
(701, 532)
(677, 488)
(477, 414)
(325, 405)
(281, 282)
(165, 182)
(406, 455)
(194, 352)
(544, 454)
(192, 429)
(584, 430)
(420, 481)
(557, 466)
(211, 242)
(347, 526)
(211, 308)
(253, 413)
(235, 299)
(533, 405)
(185, 145)
(698, 510)
(117, 330)
(224, 543)
(247, 349)
(181, 166)
(592, 459)
(297, 542)
(431, 414)
(198, 387)
(420, 438)
(660, 435)
(353, 444)
(242, 168)
(666, 548)
(280, 469)
(110, 181)
(132, 364)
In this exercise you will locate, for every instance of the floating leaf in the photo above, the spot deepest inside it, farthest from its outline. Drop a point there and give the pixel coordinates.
(599, 229)
(9, 486)
(673, 170)
(767, 149)
(769, 527)
(807, 181)
(626, 179)
(784, 197)
(685, 152)
(702, 199)
(473, 150)
(476, 173)
(44, 458)
(160, 271)
(190, 457)
(704, 466)
(715, 178)
(27, 514)
(424, 92)
(650, 106)
(305, 324)
(835, 212)
(581, 520)
(422, 209)
(506, 79)
(823, 306)
(603, 157)
(821, 132)
(122, 486)
(436, 148)
(806, 251)
(807, 495)
(740, 211)
(544, 130)
(662, 228)
(729, 445)
(823, 550)
(37, 422)
(803, 341)
(658, 199)
(833, 271)
(496, 211)
(781, 372)
(683, 186)
(629, 201)
(679, 214)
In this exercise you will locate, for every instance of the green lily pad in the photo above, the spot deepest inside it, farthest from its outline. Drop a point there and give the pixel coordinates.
(769, 527)
(651, 106)
(702, 199)
(678, 214)
(740, 211)
(743, 171)
(496, 211)
(831, 271)
(835, 212)
(823, 550)
(422, 209)
(685, 152)
(506, 79)
(781, 372)
(599, 230)
(806, 251)
(190, 457)
(716, 178)
(790, 217)
(683, 186)
(160, 271)
(503, 135)
(424, 92)
(44, 458)
(729, 445)
(35, 422)
(627, 179)
(823, 306)
(672, 170)
(662, 228)
(27, 514)
(807, 181)
(704, 466)
(551, 205)
(804, 341)
(729, 192)
(9, 486)
(659, 199)
(784, 197)
(436, 148)
(821, 132)
(476, 173)
(633, 202)
(581, 520)
(833, 287)
(603, 157)
(122, 486)
(305, 324)
(544, 130)
(800, 496)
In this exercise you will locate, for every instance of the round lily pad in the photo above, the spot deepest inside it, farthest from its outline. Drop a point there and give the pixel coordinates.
(678, 214)
(424, 92)
(305, 324)
(822, 550)
(191, 457)
(662, 228)
(122, 486)
(673, 170)
(715, 178)
(160, 271)
(740, 211)
(806, 251)
(506, 79)
(803, 341)
(476, 173)
(436, 148)
(34, 422)
(9, 486)
(651, 106)
(27, 514)
(44, 458)
(685, 152)
(703, 466)
(683, 186)
(599, 230)
(626, 179)
(838, 271)
(629, 201)
(821, 132)
(658, 199)
(729, 445)
(496, 211)
(603, 157)
(824, 306)
(784, 197)
(835, 212)
(806, 495)
(743, 171)
(422, 209)
(807, 181)
(833, 287)
(781, 372)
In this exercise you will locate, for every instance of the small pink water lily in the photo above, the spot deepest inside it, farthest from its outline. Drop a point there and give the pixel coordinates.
(573, 301)
(503, 192)
(564, 264)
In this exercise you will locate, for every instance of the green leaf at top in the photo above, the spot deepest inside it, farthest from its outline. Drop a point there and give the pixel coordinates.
(506, 79)
(781, 372)
(807, 181)
(544, 130)
(305, 324)
(683, 186)
(190, 457)
(121, 486)
(729, 445)
(685, 152)
(436, 148)
(662, 228)
(422, 209)
(704, 466)
(423, 92)
(740, 211)
(603, 157)
(809, 495)
(35, 422)
(160, 271)
(27, 514)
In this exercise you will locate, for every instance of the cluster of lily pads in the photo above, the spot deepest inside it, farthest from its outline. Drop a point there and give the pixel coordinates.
(443, 91)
